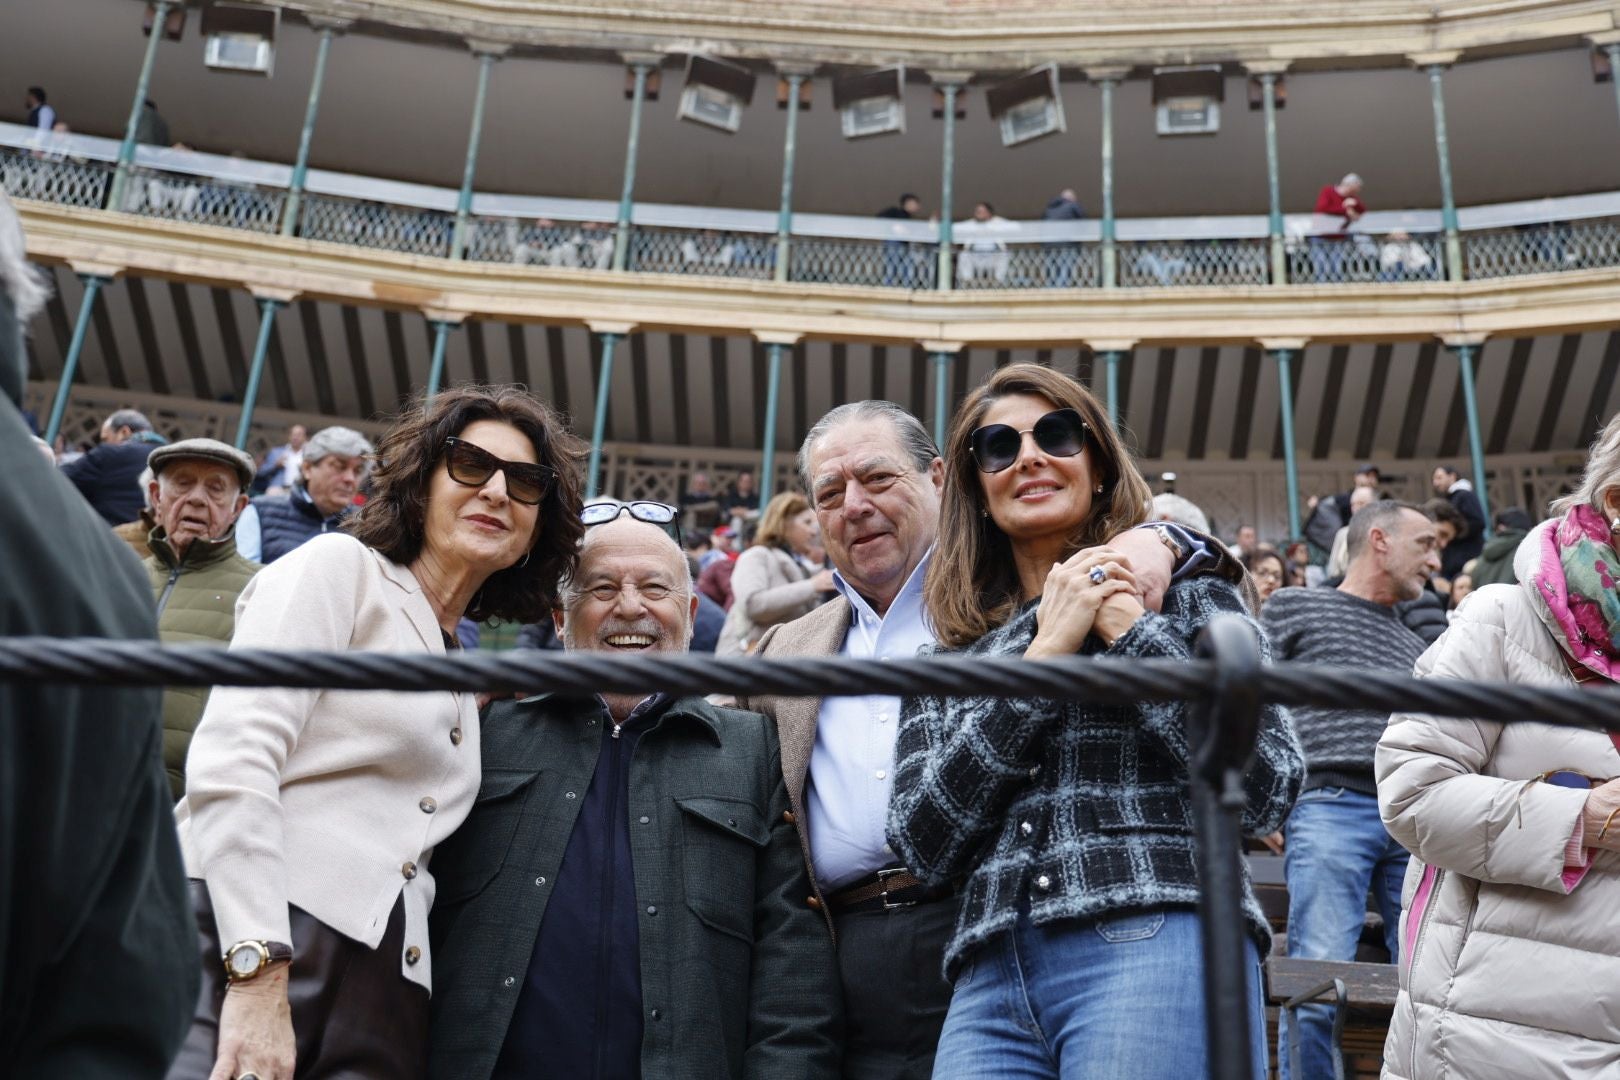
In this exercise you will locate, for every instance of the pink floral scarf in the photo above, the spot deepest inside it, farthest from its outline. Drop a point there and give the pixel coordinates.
(1578, 575)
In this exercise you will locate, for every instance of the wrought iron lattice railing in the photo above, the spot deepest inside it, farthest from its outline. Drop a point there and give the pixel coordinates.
(1362, 258)
(569, 245)
(1181, 263)
(204, 200)
(367, 224)
(1545, 248)
(54, 178)
(897, 264)
(707, 252)
(1225, 685)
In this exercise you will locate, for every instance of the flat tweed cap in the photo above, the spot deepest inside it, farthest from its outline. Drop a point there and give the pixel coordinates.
(211, 450)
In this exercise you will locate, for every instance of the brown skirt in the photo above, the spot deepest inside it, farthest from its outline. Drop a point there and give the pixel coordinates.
(354, 1016)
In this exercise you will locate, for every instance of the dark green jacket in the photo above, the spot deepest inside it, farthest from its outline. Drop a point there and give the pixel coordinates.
(99, 966)
(1495, 564)
(739, 981)
(196, 605)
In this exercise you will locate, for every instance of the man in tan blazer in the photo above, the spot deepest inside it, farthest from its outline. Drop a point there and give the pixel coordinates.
(875, 478)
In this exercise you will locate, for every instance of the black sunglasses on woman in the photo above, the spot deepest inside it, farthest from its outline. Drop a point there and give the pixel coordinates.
(472, 466)
(1060, 433)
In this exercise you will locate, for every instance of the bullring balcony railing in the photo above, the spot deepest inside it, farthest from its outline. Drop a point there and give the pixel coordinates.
(1504, 240)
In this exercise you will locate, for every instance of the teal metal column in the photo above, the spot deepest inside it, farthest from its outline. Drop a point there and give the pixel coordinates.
(947, 184)
(1448, 204)
(126, 151)
(70, 364)
(1285, 380)
(942, 397)
(261, 351)
(295, 190)
(1111, 358)
(1476, 445)
(1279, 259)
(458, 239)
(1110, 256)
(784, 216)
(621, 234)
(773, 393)
(599, 428)
(441, 343)
(1613, 53)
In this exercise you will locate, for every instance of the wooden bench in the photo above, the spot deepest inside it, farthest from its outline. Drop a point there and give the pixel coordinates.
(1363, 997)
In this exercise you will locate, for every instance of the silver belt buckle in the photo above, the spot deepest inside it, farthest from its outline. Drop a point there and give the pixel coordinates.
(883, 882)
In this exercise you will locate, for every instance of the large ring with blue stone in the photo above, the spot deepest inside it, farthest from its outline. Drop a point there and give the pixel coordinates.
(1098, 575)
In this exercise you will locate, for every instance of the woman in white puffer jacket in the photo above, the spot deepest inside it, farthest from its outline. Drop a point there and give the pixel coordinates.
(1510, 925)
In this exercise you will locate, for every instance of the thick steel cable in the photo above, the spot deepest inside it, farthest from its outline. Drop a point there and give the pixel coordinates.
(1104, 681)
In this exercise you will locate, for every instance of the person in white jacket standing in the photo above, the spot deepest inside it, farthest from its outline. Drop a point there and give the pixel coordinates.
(1510, 926)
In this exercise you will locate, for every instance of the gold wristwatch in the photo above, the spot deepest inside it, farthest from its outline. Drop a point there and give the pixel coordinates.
(247, 959)
(1168, 536)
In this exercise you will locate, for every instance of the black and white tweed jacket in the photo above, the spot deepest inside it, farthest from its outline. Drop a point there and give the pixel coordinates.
(1080, 811)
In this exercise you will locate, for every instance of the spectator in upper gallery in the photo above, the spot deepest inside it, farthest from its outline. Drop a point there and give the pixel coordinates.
(984, 255)
(898, 266)
(1338, 206)
(109, 475)
(41, 116)
(1065, 207)
(1450, 485)
(1402, 258)
(742, 504)
(1065, 255)
(152, 129)
(280, 469)
(1495, 563)
(333, 466)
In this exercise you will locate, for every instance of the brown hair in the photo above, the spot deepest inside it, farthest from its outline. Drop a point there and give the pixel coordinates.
(773, 523)
(392, 520)
(972, 549)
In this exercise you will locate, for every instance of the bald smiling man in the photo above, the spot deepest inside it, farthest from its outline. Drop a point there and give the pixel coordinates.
(627, 897)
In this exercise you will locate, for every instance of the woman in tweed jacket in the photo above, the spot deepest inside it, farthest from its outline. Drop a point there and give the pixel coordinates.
(1068, 826)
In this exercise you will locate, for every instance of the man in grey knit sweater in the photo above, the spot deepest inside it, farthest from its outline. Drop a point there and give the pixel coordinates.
(1336, 844)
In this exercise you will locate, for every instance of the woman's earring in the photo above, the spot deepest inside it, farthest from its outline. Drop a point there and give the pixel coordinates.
(1614, 526)
(983, 512)
(1099, 489)
(524, 562)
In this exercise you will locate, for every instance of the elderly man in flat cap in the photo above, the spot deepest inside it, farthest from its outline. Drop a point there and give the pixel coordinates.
(198, 489)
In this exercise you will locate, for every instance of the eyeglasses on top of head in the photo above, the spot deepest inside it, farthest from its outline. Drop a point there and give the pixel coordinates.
(663, 515)
(1060, 433)
(472, 466)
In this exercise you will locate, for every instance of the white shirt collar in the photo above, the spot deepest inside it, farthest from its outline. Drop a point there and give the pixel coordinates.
(910, 594)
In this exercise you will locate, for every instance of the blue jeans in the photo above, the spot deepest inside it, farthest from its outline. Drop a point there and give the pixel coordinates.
(1121, 998)
(1337, 850)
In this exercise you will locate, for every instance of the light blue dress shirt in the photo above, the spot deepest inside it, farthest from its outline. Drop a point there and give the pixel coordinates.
(852, 767)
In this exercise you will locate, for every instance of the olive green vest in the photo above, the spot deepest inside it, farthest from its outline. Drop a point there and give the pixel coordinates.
(196, 604)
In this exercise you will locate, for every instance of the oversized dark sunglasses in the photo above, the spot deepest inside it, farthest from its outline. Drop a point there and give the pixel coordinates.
(1060, 433)
(654, 513)
(473, 466)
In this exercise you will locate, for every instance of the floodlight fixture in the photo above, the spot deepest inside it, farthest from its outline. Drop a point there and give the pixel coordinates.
(1028, 106)
(240, 37)
(871, 102)
(174, 23)
(1187, 100)
(715, 93)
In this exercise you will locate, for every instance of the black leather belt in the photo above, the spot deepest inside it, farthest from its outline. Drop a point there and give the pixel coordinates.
(885, 890)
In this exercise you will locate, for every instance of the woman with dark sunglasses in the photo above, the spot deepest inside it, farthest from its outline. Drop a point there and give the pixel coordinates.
(1510, 921)
(310, 816)
(1067, 825)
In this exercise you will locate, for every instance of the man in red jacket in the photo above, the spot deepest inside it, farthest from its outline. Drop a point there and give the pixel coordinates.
(1337, 207)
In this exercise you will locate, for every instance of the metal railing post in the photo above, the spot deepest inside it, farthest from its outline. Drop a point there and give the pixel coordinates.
(1285, 383)
(1111, 360)
(1279, 258)
(1110, 253)
(599, 426)
(1222, 732)
(1476, 445)
(126, 150)
(1442, 149)
(70, 363)
(773, 393)
(261, 352)
(441, 346)
(784, 214)
(1612, 51)
(458, 238)
(942, 395)
(312, 108)
(949, 87)
(621, 233)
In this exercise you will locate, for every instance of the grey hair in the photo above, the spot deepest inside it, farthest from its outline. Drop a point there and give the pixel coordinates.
(914, 438)
(145, 481)
(19, 278)
(1602, 472)
(567, 593)
(335, 440)
(1350, 178)
(133, 419)
(1380, 515)
(1169, 506)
